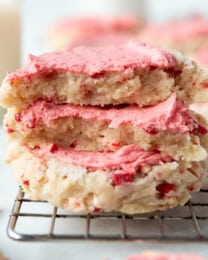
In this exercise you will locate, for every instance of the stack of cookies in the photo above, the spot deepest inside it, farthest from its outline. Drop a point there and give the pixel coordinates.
(107, 128)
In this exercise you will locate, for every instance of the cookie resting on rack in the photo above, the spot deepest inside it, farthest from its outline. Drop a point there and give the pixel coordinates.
(129, 180)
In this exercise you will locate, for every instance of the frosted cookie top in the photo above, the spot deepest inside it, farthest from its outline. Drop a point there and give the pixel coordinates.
(128, 158)
(177, 30)
(133, 73)
(98, 60)
(168, 115)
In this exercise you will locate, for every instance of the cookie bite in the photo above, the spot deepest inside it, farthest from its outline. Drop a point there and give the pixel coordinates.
(133, 73)
(169, 127)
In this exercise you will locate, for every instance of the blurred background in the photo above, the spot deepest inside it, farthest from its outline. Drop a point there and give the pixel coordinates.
(37, 15)
(25, 25)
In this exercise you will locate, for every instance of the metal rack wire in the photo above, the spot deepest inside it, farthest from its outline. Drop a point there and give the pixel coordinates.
(37, 220)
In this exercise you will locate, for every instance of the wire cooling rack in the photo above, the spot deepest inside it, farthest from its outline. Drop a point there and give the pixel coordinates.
(38, 221)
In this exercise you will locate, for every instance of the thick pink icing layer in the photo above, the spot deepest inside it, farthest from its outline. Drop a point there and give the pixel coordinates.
(96, 60)
(168, 115)
(177, 31)
(128, 158)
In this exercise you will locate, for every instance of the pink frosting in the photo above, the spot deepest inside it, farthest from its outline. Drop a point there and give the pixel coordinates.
(100, 39)
(96, 24)
(96, 60)
(202, 56)
(177, 30)
(169, 115)
(128, 158)
(165, 256)
(96, 31)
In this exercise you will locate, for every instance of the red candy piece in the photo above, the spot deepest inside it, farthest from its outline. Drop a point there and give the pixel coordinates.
(96, 210)
(74, 144)
(116, 144)
(26, 182)
(120, 178)
(53, 148)
(165, 188)
(97, 75)
(182, 170)
(205, 85)
(151, 131)
(17, 117)
(191, 187)
(9, 130)
(202, 130)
